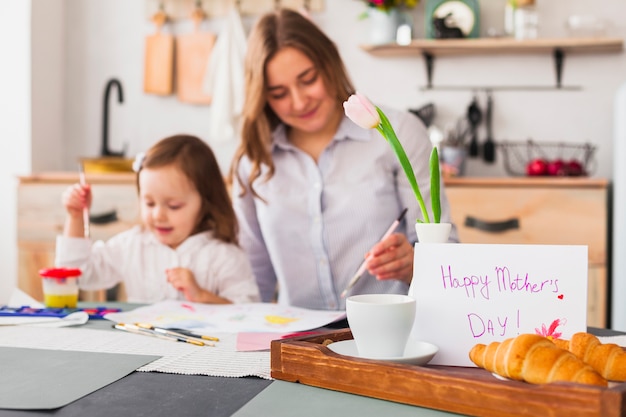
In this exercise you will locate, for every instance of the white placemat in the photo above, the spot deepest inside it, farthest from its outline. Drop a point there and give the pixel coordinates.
(176, 358)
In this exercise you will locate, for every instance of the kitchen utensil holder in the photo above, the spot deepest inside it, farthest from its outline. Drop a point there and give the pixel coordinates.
(517, 155)
(426, 113)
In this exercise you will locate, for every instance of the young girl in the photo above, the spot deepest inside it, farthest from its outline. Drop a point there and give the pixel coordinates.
(187, 242)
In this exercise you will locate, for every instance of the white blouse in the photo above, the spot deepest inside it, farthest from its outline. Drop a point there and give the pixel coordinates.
(319, 218)
(136, 258)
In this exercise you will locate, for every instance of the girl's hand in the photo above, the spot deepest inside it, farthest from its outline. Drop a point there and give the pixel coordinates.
(183, 280)
(75, 199)
(391, 258)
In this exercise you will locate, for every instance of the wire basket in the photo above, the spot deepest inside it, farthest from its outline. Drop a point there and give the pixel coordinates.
(518, 155)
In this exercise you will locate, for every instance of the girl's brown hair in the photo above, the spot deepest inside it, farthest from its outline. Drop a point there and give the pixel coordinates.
(196, 160)
(274, 31)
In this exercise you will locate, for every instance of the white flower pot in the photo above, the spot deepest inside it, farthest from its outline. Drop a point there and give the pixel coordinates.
(383, 26)
(433, 232)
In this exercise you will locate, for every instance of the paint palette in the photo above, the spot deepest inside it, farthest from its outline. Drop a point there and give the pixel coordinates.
(26, 311)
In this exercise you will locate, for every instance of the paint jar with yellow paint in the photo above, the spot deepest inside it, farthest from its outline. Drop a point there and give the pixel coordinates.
(60, 287)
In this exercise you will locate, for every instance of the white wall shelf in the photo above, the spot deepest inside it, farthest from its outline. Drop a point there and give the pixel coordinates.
(558, 47)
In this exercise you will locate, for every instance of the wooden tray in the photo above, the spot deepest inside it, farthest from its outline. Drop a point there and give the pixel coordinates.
(471, 391)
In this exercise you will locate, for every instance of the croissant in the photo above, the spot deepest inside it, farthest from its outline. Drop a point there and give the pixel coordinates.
(534, 359)
(608, 359)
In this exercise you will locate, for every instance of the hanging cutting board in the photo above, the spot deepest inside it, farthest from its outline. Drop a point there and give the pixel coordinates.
(193, 51)
(159, 60)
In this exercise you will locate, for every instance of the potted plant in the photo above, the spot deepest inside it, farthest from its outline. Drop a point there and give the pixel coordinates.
(368, 116)
(386, 19)
(386, 5)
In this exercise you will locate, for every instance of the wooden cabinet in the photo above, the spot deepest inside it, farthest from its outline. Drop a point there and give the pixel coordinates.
(561, 211)
(558, 211)
(41, 216)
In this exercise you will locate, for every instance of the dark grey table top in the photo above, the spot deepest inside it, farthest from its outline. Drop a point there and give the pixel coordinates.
(153, 394)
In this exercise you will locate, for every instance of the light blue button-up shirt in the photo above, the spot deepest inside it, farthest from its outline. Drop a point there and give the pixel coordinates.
(319, 219)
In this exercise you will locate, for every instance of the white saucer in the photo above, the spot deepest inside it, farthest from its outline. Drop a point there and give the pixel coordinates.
(416, 352)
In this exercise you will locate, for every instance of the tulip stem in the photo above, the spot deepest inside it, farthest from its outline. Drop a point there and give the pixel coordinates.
(386, 130)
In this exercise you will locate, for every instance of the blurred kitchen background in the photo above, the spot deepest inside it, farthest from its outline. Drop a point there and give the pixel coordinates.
(59, 55)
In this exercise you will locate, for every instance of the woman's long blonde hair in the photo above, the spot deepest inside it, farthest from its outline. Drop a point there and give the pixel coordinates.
(274, 31)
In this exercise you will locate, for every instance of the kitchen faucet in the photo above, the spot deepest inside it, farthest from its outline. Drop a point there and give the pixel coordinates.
(105, 117)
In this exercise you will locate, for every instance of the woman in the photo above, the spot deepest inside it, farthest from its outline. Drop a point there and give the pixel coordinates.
(312, 191)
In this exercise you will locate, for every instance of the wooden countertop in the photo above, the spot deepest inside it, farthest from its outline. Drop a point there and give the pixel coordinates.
(72, 177)
(129, 178)
(565, 182)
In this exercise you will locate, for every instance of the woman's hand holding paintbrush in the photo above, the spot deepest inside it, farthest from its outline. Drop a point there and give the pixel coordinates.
(363, 267)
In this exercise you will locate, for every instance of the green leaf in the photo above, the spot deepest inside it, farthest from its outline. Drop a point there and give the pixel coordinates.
(435, 185)
(386, 130)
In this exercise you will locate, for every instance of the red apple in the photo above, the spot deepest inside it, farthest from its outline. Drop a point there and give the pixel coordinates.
(575, 168)
(537, 167)
(557, 167)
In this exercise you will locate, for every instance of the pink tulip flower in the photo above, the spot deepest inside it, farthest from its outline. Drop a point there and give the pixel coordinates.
(366, 115)
(361, 111)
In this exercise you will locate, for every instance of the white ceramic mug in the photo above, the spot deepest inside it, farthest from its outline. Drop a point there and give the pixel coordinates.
(380, 323)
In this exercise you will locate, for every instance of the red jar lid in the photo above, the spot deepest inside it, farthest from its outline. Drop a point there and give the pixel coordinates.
(59, 272)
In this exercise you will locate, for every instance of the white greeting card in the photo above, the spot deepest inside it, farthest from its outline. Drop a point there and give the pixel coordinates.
(475, 293)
